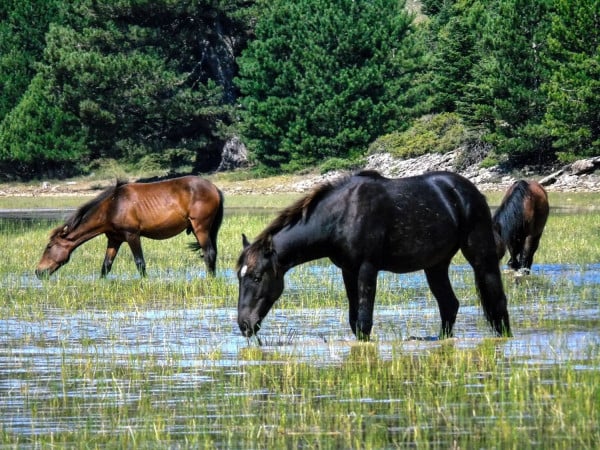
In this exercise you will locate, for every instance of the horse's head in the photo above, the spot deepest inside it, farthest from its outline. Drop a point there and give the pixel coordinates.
(261, 284)
(56, 254)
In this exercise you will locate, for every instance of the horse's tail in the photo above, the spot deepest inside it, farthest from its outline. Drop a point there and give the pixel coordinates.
(214, 228)
(508, 218)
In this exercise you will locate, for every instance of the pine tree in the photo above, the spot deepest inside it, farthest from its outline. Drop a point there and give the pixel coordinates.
(324, 79)
(23, 25)
(504, 96)
(37, 137)
(457, 32)
(139, 81)
(573, 90)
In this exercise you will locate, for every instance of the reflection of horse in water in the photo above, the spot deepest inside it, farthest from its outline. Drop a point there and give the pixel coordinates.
(519, 222)
(367, 223)
(128, 211)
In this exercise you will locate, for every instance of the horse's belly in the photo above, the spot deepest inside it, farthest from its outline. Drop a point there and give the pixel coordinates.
(410, 260)
(164, 230)
(161, 234)
(406, 266)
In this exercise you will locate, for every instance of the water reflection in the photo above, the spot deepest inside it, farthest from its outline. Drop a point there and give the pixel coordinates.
(193, 342)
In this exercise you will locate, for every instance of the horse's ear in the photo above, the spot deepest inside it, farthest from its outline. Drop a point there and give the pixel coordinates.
(268, 246)
(270, 253)
(245, 242)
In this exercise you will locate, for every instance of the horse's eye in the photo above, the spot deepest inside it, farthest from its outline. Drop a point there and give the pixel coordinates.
(255, 278)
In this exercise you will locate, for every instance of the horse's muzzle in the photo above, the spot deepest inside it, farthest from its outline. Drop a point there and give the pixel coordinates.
(247, 329)
(43, 274)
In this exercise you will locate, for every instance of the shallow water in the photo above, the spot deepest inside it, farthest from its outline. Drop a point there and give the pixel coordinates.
(196, 340)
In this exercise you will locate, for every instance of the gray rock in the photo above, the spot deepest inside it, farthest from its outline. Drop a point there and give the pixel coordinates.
(578, 176)
(234, 155)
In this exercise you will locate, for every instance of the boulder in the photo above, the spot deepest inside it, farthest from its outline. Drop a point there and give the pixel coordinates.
(234, 155)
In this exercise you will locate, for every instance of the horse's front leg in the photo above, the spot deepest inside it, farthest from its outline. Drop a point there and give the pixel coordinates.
(351, 284)
(112, 248)
(361, 288)
(135, 244)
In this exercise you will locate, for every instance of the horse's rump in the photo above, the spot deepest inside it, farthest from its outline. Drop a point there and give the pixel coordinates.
(519, 222)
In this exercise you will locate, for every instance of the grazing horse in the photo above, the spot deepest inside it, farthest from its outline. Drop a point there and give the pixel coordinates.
(128, 211)
(366, 223)
(519, 222)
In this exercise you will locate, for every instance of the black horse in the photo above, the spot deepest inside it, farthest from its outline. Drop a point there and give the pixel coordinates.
(519, 223)
(366, 223)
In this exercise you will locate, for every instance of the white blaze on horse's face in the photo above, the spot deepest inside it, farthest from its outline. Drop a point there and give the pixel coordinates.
(243, 271)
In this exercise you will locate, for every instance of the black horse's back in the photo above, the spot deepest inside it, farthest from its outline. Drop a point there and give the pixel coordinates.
(420, 220)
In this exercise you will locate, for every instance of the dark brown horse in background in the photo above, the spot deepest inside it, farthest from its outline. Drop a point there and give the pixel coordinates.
(519, 222)
(128, 211)
(367, 223)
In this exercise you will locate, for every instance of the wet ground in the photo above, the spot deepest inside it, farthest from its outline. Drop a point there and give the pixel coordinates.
(33, 352)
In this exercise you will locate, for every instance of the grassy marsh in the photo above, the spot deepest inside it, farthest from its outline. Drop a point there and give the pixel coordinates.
(139, 363)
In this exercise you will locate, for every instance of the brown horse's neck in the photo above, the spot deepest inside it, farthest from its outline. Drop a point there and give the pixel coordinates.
(87, 229)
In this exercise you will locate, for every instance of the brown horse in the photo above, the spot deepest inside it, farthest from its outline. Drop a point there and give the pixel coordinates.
(519, 222)
(128, 211)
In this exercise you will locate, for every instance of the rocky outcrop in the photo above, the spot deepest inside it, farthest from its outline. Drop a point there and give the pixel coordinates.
(578, 176)
(485, 178)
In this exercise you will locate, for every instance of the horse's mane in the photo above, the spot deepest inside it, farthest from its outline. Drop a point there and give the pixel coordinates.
(509, 215)
(80, 215)
(300, 211)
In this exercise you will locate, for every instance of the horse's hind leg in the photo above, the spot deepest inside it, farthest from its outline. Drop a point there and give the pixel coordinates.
(489, 284)
(112, 248)
(210, 256)
(516, 255)
(135, 244)
(439, 283)
(209, 249)
(529, 249)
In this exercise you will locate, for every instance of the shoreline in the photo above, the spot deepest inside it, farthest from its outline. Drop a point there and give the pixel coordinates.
(580, 176)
